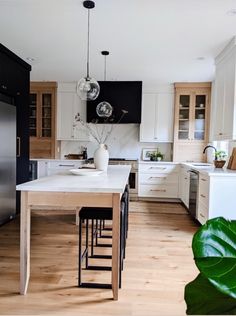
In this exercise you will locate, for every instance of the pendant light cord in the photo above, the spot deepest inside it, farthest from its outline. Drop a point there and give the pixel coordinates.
(88, 44)
(105, 68)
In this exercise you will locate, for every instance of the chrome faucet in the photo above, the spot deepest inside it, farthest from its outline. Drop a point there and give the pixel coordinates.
(210, 146)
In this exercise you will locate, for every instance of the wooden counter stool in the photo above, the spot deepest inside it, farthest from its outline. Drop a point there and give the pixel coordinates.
(98, 213)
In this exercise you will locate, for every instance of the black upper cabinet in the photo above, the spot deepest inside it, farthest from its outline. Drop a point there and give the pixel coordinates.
(15, 82)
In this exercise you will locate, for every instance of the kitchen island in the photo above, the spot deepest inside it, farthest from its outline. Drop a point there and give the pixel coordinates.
(74, 191)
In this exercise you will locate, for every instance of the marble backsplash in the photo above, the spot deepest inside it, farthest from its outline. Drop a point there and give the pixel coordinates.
(122, 143)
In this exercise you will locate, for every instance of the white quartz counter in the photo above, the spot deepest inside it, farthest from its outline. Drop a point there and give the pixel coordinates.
(212, 171)
(113, 181)
(158, 162)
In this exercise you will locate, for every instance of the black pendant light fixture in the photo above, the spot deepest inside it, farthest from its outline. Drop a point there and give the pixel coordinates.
(104, 108)
(88, 88)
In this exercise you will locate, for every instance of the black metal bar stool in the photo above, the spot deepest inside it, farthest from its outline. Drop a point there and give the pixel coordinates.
(94, 214)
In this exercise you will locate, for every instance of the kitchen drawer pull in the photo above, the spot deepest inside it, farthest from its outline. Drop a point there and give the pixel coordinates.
(158, 190)
(220, 133)
(61, 165)
(203, 179)
(157, 178)
(160, 168)
(202, 215)
(186, 178)
(202, 195)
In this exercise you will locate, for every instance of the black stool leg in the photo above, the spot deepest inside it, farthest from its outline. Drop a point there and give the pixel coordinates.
(92, 237)
(87, 245)
(80, 246)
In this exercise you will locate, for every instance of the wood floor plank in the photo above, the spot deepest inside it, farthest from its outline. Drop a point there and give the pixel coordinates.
(158, 264)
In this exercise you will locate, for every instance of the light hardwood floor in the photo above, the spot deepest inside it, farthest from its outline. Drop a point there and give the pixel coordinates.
(158, 264)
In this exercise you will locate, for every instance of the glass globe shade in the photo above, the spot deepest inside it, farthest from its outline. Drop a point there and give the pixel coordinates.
(104, 109)
(88, 89)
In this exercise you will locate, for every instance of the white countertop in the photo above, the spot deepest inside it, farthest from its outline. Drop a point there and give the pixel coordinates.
(113, 181)
(57, 160)
(212, 171)
(159, 162)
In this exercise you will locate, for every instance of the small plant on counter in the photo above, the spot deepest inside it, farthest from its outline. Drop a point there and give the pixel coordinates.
(156, 156)
(220, 155)
(213, 292)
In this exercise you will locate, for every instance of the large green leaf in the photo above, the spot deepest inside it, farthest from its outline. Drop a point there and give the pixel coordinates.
(202, 298)
(214, 248)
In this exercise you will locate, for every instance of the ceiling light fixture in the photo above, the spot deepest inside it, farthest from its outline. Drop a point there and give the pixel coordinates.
(104, 108)
(231, 12)
(88, 88)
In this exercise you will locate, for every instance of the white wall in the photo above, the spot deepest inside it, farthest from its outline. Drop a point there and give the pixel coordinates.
(122, 143)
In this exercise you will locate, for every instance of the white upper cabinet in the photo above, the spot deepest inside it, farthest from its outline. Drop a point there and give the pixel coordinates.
(223, 118)
(69, 104)
(157, 117)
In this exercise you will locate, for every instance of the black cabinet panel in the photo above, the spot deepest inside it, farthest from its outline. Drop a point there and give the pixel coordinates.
(15, 82)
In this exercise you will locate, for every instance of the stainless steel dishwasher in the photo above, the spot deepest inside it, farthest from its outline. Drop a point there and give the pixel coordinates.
(193, 192)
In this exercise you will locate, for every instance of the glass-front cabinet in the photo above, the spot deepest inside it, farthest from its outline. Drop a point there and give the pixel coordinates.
(42, 119)
(191, 115)
(192, 102)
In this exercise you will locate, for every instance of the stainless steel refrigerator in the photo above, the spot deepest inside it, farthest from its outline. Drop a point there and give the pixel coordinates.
(7, 159)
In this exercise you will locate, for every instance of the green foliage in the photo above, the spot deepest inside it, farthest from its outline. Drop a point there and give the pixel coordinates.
(156, 154)
(214, 249)
(220, 155)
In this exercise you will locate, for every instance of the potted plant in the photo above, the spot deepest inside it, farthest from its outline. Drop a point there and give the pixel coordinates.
(213, 292)
(220, 156)
(156, 156)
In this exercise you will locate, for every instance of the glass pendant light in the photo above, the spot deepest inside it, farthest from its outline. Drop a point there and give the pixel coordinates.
(104, 109)
(88, 88)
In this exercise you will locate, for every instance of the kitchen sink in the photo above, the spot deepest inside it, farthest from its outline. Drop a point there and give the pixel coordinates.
(202, 165)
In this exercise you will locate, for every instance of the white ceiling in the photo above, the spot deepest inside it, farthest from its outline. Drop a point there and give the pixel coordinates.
(157, 41)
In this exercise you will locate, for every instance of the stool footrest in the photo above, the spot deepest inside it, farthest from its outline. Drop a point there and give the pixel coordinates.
(98, 268)
(103, 245)
(101, 256)
(96, 285)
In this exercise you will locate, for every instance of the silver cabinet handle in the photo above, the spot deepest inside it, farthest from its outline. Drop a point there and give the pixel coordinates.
(203, 179)
(202, 215)
(158, 190)
(160, 168)
(202, 195)
(61, 165)
(157, 178)
(18, 149)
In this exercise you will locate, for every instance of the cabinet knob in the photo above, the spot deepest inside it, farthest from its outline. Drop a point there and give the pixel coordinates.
(220, 133)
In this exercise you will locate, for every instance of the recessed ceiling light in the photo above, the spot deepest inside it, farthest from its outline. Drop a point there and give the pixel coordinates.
(201, 58)
(231, 12)
(30, 58)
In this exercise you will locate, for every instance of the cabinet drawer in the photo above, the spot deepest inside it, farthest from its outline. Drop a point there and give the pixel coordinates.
(202, 213)
(158, 190)
(62, 164)
(159, 178)
(157, 168)
(203, 189)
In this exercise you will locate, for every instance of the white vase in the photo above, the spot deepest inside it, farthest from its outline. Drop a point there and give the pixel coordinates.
(101, 157)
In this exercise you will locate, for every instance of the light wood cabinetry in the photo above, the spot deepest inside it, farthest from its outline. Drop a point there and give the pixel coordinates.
(68, 105)
(42, 115)
(157, 117)
(158, 180)
(192, 101)
(223, 119)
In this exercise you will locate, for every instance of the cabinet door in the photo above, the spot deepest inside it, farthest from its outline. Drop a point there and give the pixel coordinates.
(157, 117)
(183, 115)
(229, 99)
(163, 131)
(148, 123)
(200, 116)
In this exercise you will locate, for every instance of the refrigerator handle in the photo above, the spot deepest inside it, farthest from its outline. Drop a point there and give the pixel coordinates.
(18, 147)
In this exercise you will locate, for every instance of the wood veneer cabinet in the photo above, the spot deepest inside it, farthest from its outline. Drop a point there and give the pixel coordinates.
(191, 127)
(42, 116)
